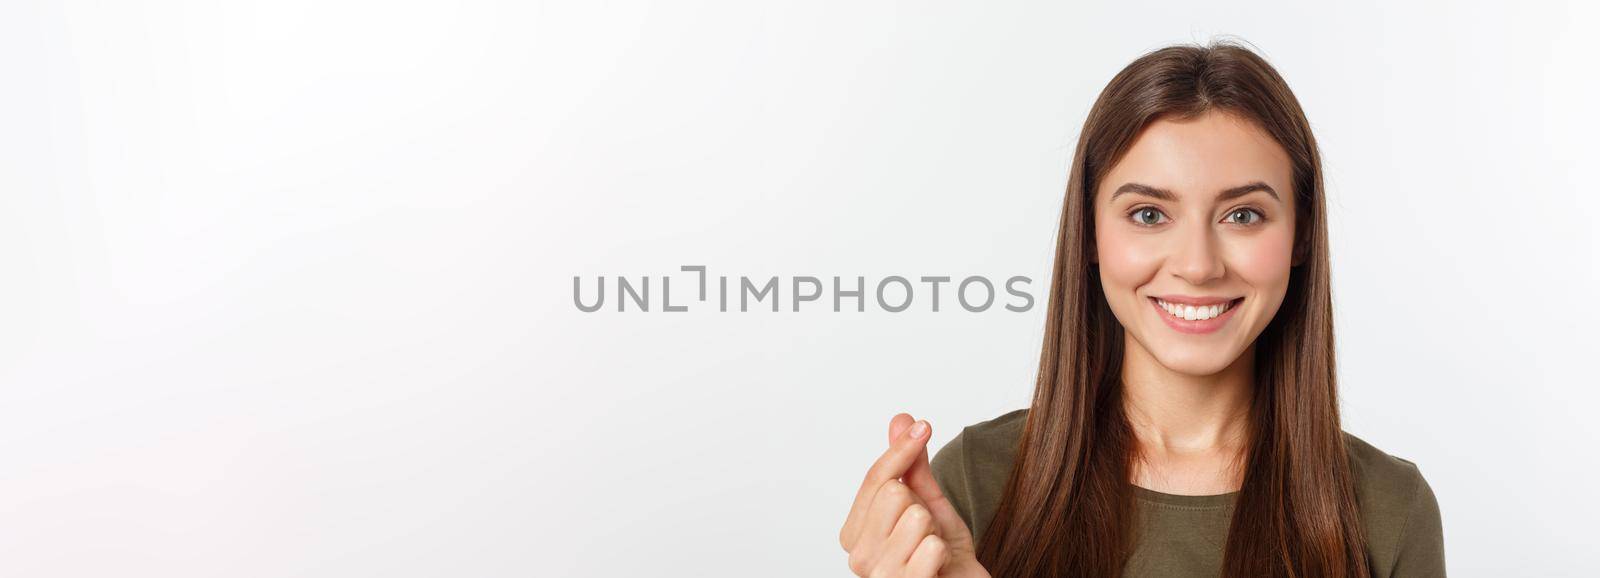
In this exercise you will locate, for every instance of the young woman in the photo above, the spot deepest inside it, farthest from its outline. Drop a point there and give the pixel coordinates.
(1185, 421)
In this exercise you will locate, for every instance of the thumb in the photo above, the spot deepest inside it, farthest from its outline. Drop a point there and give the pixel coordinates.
(919, 477)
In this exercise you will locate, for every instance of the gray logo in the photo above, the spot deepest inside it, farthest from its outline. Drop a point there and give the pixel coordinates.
(893, 293)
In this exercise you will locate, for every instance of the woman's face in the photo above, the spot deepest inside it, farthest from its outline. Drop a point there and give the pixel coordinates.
(1199, 213)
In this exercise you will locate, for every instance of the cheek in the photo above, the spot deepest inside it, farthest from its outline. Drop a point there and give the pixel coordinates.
(1264, 260)
(1127, 261)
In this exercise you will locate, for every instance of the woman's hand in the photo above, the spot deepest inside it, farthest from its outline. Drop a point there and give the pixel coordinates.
(901, 525)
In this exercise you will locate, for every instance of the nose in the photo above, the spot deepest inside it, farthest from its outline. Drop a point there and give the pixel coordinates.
(1198, 260)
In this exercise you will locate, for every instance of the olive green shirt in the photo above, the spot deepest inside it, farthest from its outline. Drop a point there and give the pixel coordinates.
(1182, 536)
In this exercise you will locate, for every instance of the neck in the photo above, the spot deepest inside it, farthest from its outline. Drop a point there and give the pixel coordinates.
(1176, 413)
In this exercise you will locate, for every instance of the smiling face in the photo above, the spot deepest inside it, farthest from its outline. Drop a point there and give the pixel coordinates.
(1197, 217)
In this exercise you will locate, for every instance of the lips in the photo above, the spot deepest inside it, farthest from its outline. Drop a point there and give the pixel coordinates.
(1192, 311)
(1185, 315)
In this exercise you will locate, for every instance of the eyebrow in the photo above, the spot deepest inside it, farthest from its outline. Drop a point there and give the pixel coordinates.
(1166, 195)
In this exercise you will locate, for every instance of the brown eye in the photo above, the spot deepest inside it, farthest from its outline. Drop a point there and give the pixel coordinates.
(1146, 216)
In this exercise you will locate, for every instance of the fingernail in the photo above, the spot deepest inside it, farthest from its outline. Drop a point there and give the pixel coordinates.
(917, 429)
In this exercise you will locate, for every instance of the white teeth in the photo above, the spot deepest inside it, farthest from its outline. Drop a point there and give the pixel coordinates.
(1192, 313)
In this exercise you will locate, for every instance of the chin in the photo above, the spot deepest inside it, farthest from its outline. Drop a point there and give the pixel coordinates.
(1194, 361)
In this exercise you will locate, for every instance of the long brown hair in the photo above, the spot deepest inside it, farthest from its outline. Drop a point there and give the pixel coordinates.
(1067, 509)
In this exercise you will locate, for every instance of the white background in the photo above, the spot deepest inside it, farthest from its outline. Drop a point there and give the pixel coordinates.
(287, 286)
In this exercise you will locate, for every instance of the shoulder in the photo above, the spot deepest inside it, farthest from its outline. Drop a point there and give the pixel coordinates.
(1000, 433)
(1382, 479)
(984, 445)
(1387, 475)
(1399, 511)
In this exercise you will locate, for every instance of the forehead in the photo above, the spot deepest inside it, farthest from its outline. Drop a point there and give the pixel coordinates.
(1200, 156)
